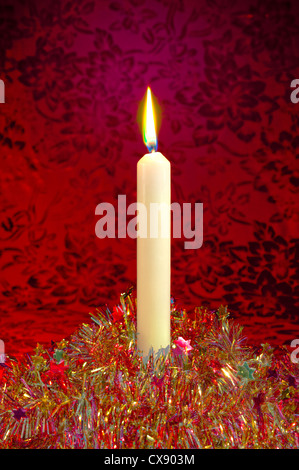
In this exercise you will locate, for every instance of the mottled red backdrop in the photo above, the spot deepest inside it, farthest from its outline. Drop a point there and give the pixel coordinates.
(75, 73)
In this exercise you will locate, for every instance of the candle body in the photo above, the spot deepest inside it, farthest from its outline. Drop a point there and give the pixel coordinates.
(153, 253)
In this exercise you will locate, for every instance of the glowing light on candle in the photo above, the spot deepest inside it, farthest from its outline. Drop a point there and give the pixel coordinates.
(149, 128)
(153, 251)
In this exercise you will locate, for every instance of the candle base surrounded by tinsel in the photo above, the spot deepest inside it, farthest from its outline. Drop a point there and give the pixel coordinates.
(93, 390)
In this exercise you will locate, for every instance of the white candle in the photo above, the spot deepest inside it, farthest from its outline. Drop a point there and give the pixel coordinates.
(153, 248)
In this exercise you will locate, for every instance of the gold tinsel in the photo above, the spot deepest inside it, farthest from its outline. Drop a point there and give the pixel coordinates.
(93, 390)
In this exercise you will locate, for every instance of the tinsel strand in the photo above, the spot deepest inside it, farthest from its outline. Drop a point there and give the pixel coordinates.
(93, 390)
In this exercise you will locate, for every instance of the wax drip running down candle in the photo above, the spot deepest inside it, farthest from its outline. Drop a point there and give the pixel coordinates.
(153, 248)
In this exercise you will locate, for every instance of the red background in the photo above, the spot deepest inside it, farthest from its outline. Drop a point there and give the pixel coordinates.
(75, 73)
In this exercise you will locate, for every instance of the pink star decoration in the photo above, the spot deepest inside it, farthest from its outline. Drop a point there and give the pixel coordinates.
(182, 346)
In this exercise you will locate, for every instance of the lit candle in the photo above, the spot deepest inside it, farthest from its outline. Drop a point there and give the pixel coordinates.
(153, 243)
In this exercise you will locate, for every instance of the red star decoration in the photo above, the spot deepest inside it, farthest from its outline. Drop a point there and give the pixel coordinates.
(19, 413)
(117, 313)
(58, 368)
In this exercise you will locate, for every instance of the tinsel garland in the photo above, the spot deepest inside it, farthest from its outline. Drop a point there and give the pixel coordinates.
(93, 390)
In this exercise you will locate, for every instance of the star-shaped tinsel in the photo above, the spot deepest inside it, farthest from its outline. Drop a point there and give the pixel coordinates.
(246, 372)
(117, 314)
(58, 355)
(19, 413)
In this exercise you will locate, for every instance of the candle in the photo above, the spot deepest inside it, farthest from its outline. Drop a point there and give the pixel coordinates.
(153, 243)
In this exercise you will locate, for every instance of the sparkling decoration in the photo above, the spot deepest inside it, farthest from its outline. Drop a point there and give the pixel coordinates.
(93, 390)
(245, 371)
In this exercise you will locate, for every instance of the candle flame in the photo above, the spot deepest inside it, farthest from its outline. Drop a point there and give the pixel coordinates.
(149, 128)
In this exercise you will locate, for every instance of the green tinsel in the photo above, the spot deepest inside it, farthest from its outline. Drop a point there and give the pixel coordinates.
(94, 391)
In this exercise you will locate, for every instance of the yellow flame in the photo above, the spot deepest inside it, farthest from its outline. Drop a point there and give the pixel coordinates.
(149, 128)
